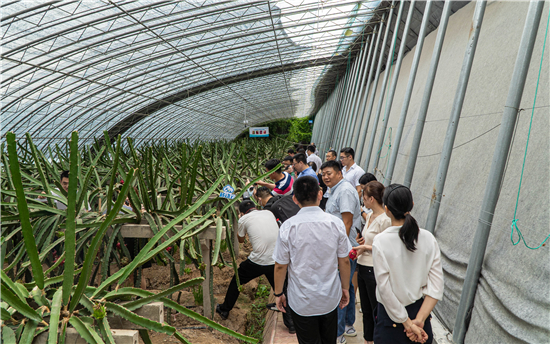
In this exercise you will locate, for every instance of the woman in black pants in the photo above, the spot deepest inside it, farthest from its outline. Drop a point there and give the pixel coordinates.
(408, 271)
(376, 222)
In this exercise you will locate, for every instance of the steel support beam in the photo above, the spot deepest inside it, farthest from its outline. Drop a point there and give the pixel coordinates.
(383, 88)
(367, 82)
(445, 14)
(455, 115)
(365, 122)
(393, 86)
(408, 93)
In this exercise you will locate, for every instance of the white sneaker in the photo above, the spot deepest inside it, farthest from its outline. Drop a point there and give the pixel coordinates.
(341, 340)
(350, 332)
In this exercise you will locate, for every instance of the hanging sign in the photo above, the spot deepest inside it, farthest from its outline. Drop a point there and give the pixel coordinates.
(227, 192)
(258, 131)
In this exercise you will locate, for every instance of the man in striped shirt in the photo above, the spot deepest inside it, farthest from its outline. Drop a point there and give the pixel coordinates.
(283, 181)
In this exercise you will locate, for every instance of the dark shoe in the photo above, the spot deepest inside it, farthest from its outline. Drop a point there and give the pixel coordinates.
(272, 307)
(223, 314)
(291, 330)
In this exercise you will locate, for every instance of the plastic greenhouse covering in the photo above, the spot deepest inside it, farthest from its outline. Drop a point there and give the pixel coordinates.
(166, 69)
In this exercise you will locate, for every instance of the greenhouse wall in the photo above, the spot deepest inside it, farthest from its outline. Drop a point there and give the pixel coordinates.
(513, 298)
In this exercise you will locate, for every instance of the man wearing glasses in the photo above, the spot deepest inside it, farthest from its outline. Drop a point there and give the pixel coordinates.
(301, 166)
(350, 170)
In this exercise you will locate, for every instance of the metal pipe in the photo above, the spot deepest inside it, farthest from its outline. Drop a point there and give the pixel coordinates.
(347, 102)
(408, 93)
(496, 174)
(357, 77)
(361, 109)
(455, 115)
(358, 89)
(365, 122)
(362, 90)
(337, 105)
(383, 88)
(393, 85)
(427, 93)
(342, 105)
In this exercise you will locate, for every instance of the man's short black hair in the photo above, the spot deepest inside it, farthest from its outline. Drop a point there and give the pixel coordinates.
(64, 174)
(271, 164)
(263, 191)
(333, 164)
(311, 148)
(306, 190)
(290, 151)
(300, 157)
(287, 158)
(366, 178)
(348, 151)
(246, 205)
(313, 165)
(333, 152)
(301, 151)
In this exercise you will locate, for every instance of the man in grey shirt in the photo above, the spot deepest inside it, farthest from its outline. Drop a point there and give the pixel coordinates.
(343, 202)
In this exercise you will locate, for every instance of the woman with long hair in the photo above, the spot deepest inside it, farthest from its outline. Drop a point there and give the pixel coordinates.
(409, 276)
(376, 222)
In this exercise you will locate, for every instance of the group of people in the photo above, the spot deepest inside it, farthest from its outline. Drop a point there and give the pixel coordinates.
(326, 228)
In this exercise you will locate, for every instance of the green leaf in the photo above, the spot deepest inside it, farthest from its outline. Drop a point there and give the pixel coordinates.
(144, 301)
(28, 235)
(8, 336)
(113, 174)
(38, 165)
(54, 316)
(83, 330)
(181, 338)
(106, 331)
(144, 334)
(21, 306)
(137, 260)
(70, 234)
(28, 332)
(17, 288)
(94, 245)
(138, 320)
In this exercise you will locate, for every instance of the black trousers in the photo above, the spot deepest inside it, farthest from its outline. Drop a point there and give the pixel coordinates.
(388, 332)
(247, 272)
(367, 292)
(319, 329)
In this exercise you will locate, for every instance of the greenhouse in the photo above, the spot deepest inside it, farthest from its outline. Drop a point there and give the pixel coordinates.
(180, 171)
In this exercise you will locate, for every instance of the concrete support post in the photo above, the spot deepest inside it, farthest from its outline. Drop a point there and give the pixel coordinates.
(358, 90)
(427, 92)
(207, 304)
(361, 108)
(393, 86)
(383, 88)
(496, 173)
(365, 124)
(455, 116)
(408, 93)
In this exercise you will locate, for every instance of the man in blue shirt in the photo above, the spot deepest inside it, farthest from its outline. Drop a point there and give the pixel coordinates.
(301, 166)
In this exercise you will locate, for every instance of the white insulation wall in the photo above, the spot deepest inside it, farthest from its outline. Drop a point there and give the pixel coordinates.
(512, 304)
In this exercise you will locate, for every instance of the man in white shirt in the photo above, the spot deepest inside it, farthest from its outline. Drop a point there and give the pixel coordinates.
(311, 156)
(350, 170)
(312, 246)
(262, 229)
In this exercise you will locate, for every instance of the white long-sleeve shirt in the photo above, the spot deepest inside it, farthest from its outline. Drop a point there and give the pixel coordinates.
(402, 276)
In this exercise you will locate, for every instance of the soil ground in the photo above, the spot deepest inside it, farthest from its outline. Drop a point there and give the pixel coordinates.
(158, 279)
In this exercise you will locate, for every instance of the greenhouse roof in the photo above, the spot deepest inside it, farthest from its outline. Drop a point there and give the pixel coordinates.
(168, 69)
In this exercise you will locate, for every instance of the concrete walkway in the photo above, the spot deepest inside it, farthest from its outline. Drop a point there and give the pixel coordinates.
(280, 333)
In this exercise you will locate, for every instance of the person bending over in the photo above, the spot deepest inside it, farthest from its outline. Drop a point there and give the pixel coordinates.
(262, 230)
(408, 272)
(312, 246)
(283, 181)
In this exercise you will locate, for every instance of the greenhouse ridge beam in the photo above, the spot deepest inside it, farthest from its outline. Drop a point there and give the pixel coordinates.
(137, 116)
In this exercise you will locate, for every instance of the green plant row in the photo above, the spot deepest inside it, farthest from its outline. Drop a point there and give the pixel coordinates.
(52, 257)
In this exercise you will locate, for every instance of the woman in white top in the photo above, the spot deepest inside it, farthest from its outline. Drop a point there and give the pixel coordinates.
(376, 222)
(409, 276)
